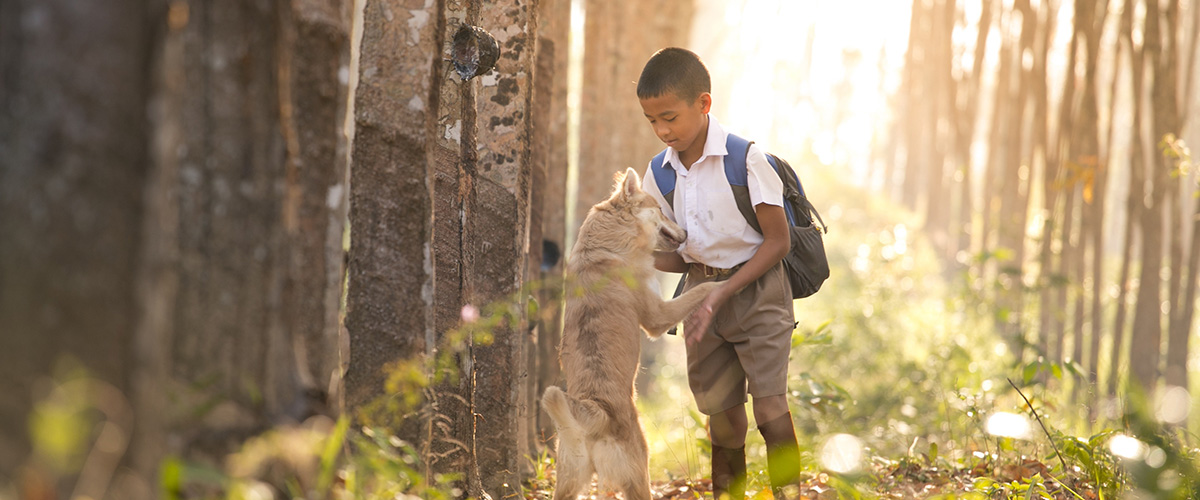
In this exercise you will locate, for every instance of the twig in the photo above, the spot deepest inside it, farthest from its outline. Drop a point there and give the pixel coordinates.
(1039, 421)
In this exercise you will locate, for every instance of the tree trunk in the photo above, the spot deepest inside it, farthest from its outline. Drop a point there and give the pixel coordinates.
(1183, 282)
(502, 225)
(967, 118)
(73, 150)
(992, 168)
(918, 97)
(1056, 230)
(1134, 201)
(554, 21)
(1091, 183)
(198, 268)
(1146, 351)
(391, 205)
(1105, 164)
(939, 137)
(614, 135)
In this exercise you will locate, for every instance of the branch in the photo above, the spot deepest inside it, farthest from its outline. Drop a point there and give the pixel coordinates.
(1039, 421)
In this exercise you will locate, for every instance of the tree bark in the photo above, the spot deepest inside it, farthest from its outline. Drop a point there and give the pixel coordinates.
(554, 21)
(390, 296)
(502, 223)
(175, 276)
(73, 166)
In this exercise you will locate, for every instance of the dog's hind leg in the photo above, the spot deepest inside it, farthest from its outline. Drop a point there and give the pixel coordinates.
(638, 489)
(573, 470)
(660, 315)
(572, 481)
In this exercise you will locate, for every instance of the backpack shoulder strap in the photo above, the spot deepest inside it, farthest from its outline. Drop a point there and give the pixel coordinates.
(793, 194)
(737, 149)
(664, 177)
(782, 169)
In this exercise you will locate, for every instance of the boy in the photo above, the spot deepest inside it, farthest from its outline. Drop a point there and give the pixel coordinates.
(739, 339)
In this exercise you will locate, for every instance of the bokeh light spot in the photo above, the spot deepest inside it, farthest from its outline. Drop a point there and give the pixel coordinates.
(1008, 425)
(842, 453)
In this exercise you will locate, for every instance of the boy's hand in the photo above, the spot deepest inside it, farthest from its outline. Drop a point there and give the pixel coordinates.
(698, 322)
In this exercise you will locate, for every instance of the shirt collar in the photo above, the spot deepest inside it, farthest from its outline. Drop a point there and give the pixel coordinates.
(714, 144)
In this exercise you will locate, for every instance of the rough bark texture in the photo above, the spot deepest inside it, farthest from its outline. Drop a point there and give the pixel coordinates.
(441, 213)
(452, 448)
(502, 223)
(390, 295)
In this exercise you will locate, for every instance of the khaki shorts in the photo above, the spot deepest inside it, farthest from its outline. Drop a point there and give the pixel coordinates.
(746, 346)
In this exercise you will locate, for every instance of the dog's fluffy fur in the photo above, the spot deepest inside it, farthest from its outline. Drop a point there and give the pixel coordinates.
(608, 305)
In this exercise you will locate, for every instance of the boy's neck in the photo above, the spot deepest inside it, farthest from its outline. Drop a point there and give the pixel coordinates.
(697, 148)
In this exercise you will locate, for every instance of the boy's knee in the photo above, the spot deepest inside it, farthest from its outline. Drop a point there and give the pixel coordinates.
(769, 408)
(728, 428)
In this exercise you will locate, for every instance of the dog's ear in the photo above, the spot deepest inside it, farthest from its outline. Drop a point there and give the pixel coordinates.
(632, 182)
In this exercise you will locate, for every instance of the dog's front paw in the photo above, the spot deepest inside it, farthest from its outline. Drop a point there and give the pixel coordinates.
(705, 289)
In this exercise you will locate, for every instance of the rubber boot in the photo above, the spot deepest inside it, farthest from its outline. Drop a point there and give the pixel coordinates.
(783, 455)
(729, 472)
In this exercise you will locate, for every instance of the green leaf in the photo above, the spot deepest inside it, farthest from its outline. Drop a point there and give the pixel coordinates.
(170, 478)
(329, 455)
(531, 308)
(1029, 373)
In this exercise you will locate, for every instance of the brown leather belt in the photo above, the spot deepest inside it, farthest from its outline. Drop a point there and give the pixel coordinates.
(712, 272)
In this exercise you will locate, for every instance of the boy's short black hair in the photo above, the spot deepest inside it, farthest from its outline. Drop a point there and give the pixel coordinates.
(674, 70)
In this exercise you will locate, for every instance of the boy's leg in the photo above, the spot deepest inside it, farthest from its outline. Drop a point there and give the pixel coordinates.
(764, 352)
(718, 383)
(783, 454)
(728, 432)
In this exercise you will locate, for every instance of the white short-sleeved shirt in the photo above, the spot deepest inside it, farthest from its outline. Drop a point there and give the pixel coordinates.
(717, 234)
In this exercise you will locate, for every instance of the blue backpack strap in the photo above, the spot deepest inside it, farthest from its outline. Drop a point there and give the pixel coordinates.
(664, 177)
(736, 172)
(735, 160)
(736, 149)
(783, 172)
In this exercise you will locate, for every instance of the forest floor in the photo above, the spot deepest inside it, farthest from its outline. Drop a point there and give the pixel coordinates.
(907, 479)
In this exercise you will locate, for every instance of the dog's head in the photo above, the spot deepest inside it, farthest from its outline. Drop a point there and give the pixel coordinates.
(642, 212)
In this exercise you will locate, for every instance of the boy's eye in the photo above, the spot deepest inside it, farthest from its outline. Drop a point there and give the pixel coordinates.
(671, 119)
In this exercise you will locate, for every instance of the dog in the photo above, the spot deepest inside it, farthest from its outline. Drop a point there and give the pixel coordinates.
(608, 304)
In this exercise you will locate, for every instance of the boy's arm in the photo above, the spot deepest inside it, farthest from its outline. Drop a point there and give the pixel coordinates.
(776, 243)
(670, 262)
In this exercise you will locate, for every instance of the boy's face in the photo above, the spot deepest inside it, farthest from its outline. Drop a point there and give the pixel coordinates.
(679, 123)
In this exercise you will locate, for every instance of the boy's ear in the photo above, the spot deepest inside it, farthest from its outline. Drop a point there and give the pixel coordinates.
(632, 183)
(705, 102)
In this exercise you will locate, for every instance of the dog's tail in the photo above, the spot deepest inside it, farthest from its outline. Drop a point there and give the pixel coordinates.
(573, 415)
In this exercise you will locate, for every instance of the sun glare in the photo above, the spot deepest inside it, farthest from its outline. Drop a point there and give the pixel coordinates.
(806, 75)
(1008, 425)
